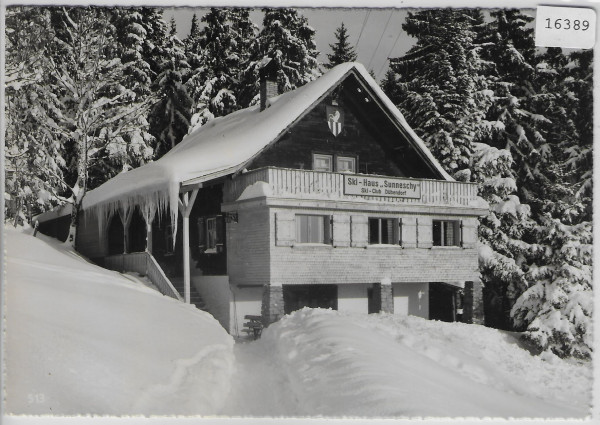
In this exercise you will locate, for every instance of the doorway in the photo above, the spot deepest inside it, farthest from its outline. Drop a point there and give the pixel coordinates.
(296, 297)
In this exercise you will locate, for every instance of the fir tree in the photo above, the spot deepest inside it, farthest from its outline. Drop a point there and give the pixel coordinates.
(287, 39)
(212, 85)
(342, 51)
(99, 120)
(441, 89)
(34, 161)
(170, 116)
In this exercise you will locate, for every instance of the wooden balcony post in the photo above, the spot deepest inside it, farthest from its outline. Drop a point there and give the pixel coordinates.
(185, 207)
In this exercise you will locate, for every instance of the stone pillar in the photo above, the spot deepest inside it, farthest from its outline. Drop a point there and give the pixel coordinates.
(473, 303)
(272, 304)
(383, 297)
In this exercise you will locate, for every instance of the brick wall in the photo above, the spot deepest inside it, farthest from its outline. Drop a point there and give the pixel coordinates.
(248, 246)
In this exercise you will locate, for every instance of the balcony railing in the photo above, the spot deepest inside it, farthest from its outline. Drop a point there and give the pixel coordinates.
(307, 184)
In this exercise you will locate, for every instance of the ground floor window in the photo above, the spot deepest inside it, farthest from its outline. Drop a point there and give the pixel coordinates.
(313, 228)
(211, 234)
(383, 231)
(446, 233)
(296, 297)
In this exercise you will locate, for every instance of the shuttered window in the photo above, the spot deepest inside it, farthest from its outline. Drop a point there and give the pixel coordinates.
(313, 229)
(446, 233)
(383, 231)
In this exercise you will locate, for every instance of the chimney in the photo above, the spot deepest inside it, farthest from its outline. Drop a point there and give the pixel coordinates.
(268, 81)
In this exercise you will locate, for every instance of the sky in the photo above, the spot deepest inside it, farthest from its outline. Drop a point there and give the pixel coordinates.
(376, 33)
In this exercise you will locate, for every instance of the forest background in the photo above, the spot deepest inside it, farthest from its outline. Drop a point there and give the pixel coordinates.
(91, 92)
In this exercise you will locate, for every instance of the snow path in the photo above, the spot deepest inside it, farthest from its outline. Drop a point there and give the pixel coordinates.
(260, 387)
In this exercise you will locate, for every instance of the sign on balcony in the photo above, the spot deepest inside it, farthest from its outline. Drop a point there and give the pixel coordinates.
(382, 186)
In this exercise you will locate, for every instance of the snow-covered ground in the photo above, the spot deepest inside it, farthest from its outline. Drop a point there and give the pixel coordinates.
(81, 339)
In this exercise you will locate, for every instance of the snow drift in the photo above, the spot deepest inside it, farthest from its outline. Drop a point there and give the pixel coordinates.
(402, 366)
(84, 340)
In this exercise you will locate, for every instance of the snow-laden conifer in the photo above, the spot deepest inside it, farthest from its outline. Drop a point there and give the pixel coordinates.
(101, 119)
(287, 39)
(170, 116)
(33, 153)
(212, 83)
(441, 90)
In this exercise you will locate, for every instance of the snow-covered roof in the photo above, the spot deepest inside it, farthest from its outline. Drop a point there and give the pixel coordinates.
(224, 145)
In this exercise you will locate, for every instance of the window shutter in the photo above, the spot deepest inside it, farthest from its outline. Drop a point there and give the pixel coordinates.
(329, 232)
(360, 230)
(460, 232)
(424, 232)
(220, 233)
(469, 233)
(285, 229)
(202, 233)
(341, 230)
(399, 230)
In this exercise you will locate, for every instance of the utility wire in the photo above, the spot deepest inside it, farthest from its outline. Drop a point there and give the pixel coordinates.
(380, 38)
(389, 53)
(362, 28)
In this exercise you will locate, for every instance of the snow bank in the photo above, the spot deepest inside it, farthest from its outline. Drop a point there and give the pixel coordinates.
(396, 366)
(84, 340)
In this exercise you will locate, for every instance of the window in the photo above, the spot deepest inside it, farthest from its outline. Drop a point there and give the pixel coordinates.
(211, 233)
(383, 231)
(446, 233)
(322, 162)
(313, 229)
(345, 164)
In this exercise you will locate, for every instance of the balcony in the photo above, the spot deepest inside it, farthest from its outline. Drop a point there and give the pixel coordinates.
(317, 185)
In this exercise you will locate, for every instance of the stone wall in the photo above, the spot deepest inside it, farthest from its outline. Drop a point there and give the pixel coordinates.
(473, 303)
(272, 304)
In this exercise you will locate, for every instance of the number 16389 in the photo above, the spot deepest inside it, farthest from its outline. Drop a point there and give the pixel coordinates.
(567, 24)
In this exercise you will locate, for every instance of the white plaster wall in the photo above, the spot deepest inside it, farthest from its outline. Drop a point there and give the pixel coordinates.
(353, 298)
(245, 300)
(217, 296)
(407, 300)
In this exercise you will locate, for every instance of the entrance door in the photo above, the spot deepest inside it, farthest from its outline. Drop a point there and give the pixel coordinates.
(296, 297)
(441, 302)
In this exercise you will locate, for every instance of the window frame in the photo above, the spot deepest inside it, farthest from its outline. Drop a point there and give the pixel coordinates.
(345, 157)
(210, 248)
(316, 156)
(396, 234)
(326, 237)
(443, 229)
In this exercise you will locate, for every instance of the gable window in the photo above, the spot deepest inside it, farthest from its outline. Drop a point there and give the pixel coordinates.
(383, 231)
(345, 164)
(322, 162)
(446, 233)
(313, 229)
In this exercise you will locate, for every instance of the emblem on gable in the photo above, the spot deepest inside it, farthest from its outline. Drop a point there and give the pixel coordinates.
(335, 119)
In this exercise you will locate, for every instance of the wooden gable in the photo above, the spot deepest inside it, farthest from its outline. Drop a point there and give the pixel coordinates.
(369, 134)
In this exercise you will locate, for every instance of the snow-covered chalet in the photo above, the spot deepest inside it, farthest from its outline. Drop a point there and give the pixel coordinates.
(319, 197)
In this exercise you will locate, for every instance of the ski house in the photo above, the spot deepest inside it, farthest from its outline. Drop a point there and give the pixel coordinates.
(320, 197)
